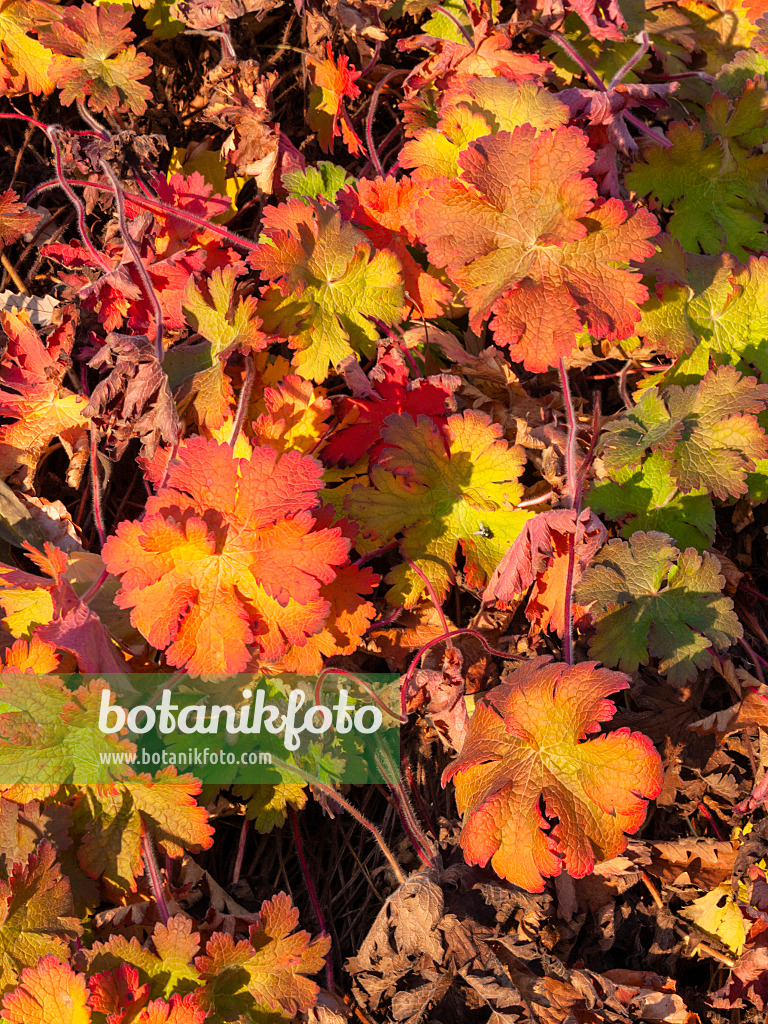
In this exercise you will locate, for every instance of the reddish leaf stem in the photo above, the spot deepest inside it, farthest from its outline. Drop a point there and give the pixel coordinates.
(156, 206)
(437, 640)
(153, 874)
(98, 517)
(363, 686)
(462, 28)
(573, 499)
(293, 817)
(146, 280)
(338, 798)
(372, 151)
(433, 597)
(244, 399)
(627, 66)
(712, 822)
(82, 228)
(95, 588)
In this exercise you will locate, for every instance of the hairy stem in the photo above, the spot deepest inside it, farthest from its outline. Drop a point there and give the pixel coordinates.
(292, 769)
(573, 498)
(146, 280)
(435, 602)
(153, 874)
(242, 403)
(372, 151)
(293, 817)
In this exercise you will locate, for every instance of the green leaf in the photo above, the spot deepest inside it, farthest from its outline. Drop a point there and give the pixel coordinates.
(716, 186)
(649, 599)
(329, 285)
(324, 179)
(707, 431)
(440, 491)
(649, 499)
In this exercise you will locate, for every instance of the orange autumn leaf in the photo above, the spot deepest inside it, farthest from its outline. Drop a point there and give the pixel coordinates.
(527, 762)
(24, 62)
(385, 210)
(35, 656)
(525, 237)
(33, 397)
(294, 416)
(333, 81)
(50, 993)
(226, 556)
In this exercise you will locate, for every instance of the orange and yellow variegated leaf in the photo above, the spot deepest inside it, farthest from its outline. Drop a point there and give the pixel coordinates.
(35, 656)
(32, 396)
(227, 556)
(111, 819)
(271, 968)
(385, 210)
(295, 418)
(526, 762)
(24, 62)
(523, 234)
(333, 81)
(35, 914)
(49, 993)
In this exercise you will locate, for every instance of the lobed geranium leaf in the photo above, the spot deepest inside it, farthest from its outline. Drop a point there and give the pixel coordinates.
(715, 184)
(526, 762)
(93, 62)
(440, 489)
(35, 914)
(267, 973)
(522, 233)
(332, 82)
(649, 499)
(650, 599)
(111, 820)
(329, 285)
(227, 556)
(25, 63)
(707, 431)
(50, 993)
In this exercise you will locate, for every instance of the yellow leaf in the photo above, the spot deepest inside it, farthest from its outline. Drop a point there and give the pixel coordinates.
(718, 914)
(24, 62)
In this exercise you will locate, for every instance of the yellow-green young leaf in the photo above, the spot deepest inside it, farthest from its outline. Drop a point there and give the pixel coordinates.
(649, 499)
(648, 598)
(328, 285)
(708, 432)
(438, 489)
(35, 914)
(268, 804)
(225, 319)
(266, 975)
(164, 963)
(478, 107)
(111, 819)
(708, 301)
(718, 914)
(710, 176)
(526, 762)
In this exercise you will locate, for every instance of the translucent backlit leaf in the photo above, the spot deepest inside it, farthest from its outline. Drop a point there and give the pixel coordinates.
(526, 761)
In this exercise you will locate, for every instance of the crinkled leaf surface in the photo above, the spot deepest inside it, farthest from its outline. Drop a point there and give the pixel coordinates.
(35, 914)
(716, 185)
(650, 599)
(708, 432)
(50, 993)
(329, 285)
(111, 819)
(524, 237)
(24, 62)
(270, 967)
(332, 82)
(439, 489)
(226, 555)
(648, 499)
(94, 64)
(526, 762)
